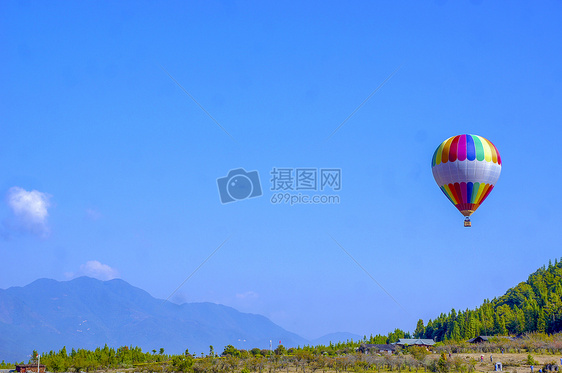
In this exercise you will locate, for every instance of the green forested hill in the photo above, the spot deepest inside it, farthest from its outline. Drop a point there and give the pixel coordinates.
(531, 306)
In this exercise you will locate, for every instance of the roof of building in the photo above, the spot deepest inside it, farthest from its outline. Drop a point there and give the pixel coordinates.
(482, 337)
(29, 365)
(486, 338)
(369, 347)
(415, 341)
(378, 346)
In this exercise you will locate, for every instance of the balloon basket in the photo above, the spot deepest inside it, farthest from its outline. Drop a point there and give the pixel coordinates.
(467, 222)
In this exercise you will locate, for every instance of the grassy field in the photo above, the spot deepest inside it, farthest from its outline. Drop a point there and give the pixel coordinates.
(511, 362)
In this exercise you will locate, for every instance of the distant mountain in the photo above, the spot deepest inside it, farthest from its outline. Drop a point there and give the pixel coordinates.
(334, 338)
(87, 313)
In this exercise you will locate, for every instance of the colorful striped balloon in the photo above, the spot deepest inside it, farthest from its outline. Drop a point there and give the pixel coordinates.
(466, 168)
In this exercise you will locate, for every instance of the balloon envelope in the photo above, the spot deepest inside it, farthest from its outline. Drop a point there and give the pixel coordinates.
(466, 168)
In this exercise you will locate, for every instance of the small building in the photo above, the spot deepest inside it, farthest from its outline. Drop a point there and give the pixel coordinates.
(486, 338)
(415, 342)
(367, 348)
(26, 368)
(479, 339)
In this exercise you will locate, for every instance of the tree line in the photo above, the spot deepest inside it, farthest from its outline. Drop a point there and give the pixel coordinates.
(531, 306)
(338, 357)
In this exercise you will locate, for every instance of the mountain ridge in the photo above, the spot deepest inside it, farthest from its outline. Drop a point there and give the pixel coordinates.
(86, 313)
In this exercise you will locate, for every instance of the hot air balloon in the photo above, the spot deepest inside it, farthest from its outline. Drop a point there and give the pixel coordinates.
(466, 168)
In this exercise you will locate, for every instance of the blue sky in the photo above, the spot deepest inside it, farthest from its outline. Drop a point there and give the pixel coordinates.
(109, 169)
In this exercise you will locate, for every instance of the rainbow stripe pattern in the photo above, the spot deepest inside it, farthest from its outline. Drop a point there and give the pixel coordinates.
(466, 168)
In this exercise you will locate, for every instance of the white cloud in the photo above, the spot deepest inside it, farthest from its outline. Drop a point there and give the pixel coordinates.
(247, 295)
(246, 301)
(95, 269)
(93, 214)
(30, 209)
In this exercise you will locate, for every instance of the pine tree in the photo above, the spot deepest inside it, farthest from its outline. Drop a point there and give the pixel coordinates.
(541, 322)
(456, 332)
(470, 327)
(420, 330)
(429, 330)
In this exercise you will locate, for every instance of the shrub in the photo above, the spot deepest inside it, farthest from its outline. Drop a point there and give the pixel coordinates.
(531, 360)
(418, 353)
